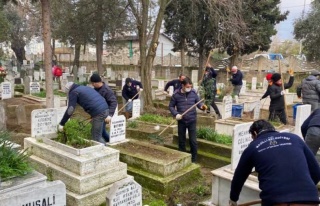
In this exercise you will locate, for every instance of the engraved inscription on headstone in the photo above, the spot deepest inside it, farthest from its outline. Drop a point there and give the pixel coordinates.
(117, 129)
(227, 113)
(241, 140)
(6, 90)
(43, 121)
(126, 192)
(34, 87)
(136, 108)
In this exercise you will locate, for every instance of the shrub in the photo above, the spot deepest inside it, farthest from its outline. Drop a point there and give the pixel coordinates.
(77, 133)
(210, 134)
(12, 163)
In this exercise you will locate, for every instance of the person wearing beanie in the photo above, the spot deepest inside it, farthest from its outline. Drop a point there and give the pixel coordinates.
(209, 85)
(106, 92)
(129, 90)
(267, 93)
(92, 102)
(309, 90)
(236, 80)
(277, 104)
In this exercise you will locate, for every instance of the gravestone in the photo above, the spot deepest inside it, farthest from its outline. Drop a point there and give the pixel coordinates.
(254, 83)
(171, 90)
(117, 129)
(136, 107)
(302, 113)
(6, 90)
(109, 72)
(3, 117)
(123, 82)
(43, 122)
(15, 69)
(66, 70)
(194, 76)
(34, 87)
(153, 74)
(22, 73)
(65, 75)
(63, 83)
(126, 192)
(161, 84)
(265, 84)
(36, 76)
(227, 112)
(25, 62)
(42, 74)
(167, 74)
(22, 117)
(240, 141)
(17, 81)
(125, 74)
(26, 81)
(32, 190)
(244, 87)
(256, 111)
(70, 78)
(113, 75)
(81, 78)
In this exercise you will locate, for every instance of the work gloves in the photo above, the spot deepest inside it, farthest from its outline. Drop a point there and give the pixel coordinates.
(232, 203)
(129, 100)
(283, 92)
(204, 107)
(60, 128)
(108, 119)
(178, 117)
(291, 72)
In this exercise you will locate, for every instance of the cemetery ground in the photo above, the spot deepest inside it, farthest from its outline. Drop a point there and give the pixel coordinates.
(199, 186)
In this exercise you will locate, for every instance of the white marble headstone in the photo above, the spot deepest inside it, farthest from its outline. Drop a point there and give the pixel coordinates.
(302, 113)
(117, 129)
(34, 87)
(153, 74)
(125, 74)
(171, 90)
(109, 72)
(36, 75)
(15, 69)
(244, 87)
(194, 76)
(256, 111)
(6, 90)
(125, 192)
(123, 82)
(136, 106)
(227, 101)
(161, 84)
(240, 141)
(25, 62)
(254, 83)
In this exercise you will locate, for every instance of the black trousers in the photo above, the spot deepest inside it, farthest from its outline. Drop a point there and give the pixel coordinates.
(182, 128)
(281, 114)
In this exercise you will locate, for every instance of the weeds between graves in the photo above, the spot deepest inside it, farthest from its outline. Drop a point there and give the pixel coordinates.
(77, 135)
(13, 163)
(209, 134)
(153, 118)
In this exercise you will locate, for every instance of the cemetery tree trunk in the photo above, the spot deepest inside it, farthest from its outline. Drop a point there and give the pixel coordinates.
(234, 60)
(18, 49)
(147, 55)
(99, 37)
(76, 61)
(46, 33)
(201, 62)
(183, 55)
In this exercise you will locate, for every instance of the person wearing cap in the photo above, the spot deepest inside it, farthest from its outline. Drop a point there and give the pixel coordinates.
(92, 103)
(309, 90)
(277, 105)
(176, 83)
(180, 102)
(267, 93)
(236, 80)
(129, 90)
(104, 90)
(209, 85)
(288, 171)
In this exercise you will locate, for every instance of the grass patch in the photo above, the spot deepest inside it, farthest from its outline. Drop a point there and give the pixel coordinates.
(77, 134)
(132, 124)
(210, 134)
(42, 94)
(152, 118)
(12, 163)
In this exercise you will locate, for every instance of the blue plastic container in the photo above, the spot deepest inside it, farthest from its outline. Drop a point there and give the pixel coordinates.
(237, 110)
(294, 108)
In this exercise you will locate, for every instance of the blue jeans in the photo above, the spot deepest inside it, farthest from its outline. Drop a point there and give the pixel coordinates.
(129, 107)
(182, 128)
(97, 124)
(105, 134)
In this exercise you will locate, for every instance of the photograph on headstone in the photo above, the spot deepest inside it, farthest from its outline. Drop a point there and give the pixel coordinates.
(117, 129)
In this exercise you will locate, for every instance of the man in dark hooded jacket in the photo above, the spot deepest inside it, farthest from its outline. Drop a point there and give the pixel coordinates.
(277, 105)
(309, 90)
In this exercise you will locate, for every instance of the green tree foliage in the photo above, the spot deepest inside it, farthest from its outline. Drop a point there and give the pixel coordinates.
(307, 29)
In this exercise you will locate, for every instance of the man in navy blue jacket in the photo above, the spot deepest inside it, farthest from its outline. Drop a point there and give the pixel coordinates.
(310, 130)
(104, 90)
(288, 172)
(236, 80)
(180, 102)
(129, 90)
(92, 102)
(176, 83)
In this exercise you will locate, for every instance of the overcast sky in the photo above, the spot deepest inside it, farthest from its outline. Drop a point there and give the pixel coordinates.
(285, 28)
